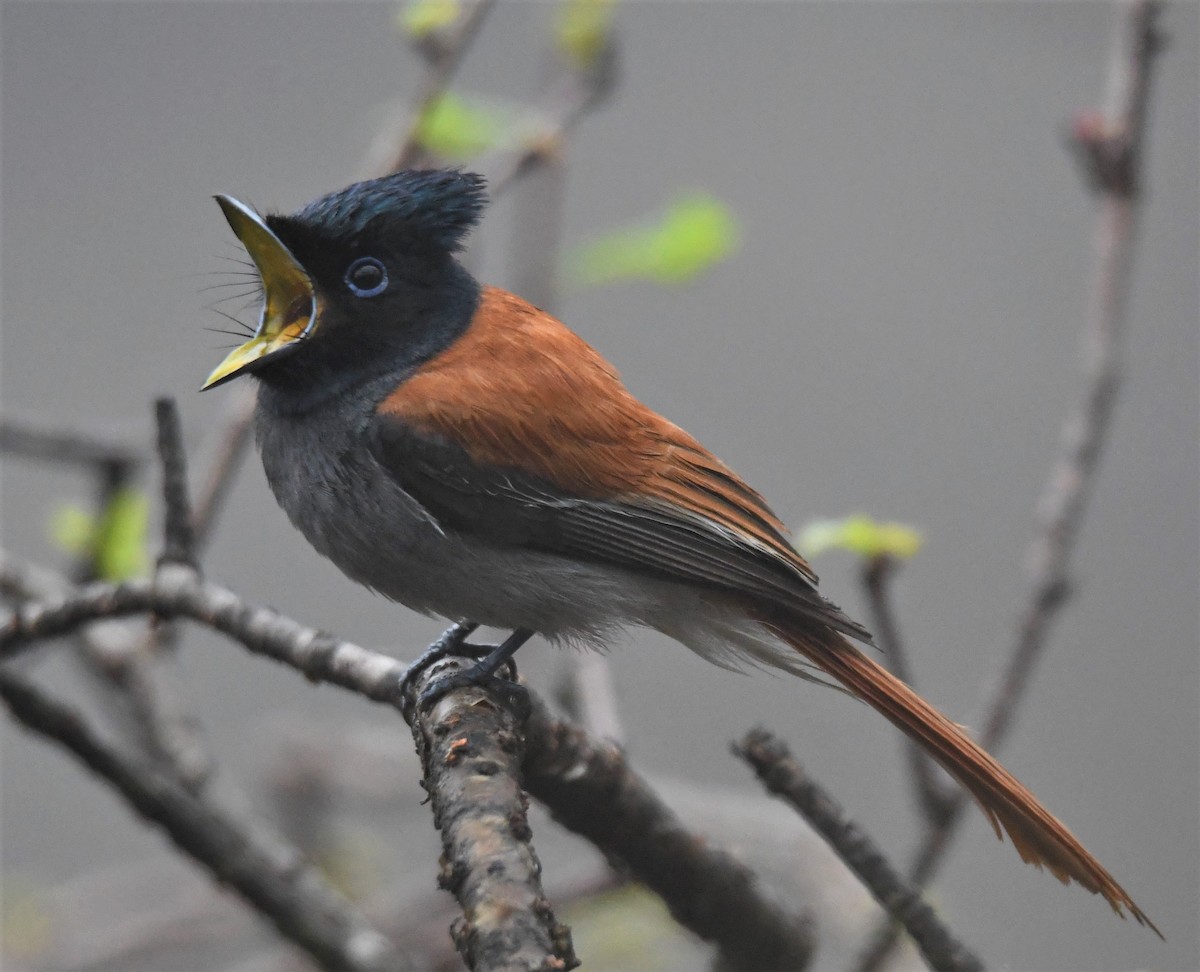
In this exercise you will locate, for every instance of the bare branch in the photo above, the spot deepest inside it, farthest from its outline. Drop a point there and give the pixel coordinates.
(179, 538)
(1064, 501)
(589, 788)
(233, 437)
(178, 591)
(31, 441)
(268, 874)
(934, 799)
(471, 749)
(577, 93)
(1120, 137)
(21, 581)
(444, 56)
(784, 777)
(585, 784)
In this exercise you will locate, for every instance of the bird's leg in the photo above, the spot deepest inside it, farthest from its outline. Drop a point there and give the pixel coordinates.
(449, 642)
(483, 674)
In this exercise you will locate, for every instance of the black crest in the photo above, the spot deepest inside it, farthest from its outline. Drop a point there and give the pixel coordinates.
(421, 207)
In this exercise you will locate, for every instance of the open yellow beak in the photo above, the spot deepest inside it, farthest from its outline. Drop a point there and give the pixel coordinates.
(289, 302)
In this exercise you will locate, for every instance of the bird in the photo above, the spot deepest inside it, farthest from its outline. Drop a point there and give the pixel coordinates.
(460, 451)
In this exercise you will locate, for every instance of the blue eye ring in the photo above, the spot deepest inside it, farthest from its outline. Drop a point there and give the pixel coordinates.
(366, 277)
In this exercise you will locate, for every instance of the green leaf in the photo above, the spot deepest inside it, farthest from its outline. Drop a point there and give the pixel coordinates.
(695, 233)
(862, 535)
(114, 543)
(120, 551)
(459, 129)
(420, 18)
(583, 28)
(72, 529)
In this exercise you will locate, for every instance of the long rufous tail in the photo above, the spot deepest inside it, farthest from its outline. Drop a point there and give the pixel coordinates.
(1039, 837)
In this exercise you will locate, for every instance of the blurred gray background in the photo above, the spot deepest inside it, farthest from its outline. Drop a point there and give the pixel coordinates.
(898, 334)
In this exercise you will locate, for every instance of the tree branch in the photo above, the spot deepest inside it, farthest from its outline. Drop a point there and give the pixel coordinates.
(785, 778)
(585, 784)
(444, 54)
(935, 800)
(471, 749)
(1115, 146)
(578, 92)
(179, 538)
(590, 789)
(269, 875)
(31, 441)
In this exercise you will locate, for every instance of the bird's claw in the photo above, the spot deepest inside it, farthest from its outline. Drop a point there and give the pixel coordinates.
(451, 644)
(452, 641)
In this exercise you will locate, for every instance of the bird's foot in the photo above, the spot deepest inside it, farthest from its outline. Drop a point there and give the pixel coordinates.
(453, 643)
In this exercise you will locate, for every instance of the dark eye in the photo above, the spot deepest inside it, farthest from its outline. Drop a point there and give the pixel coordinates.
(366, 277)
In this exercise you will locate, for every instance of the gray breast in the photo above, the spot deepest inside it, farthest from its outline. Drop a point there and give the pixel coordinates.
(350, 509)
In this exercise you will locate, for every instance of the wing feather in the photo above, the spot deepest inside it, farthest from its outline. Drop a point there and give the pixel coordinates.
(521, 434)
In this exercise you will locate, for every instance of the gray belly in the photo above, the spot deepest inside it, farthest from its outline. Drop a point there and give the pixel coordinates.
(352, 511)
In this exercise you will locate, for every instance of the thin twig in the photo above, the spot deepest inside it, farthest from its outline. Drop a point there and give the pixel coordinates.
(590, 789)
(121, 659)
(178, 591)
(117, 649)
(233, 438)
(933, 798)
(1064, 501)
(22, 581)
(784, 777)
(584, 783)
(1116, 148)
(471, 750)
(179, 538)
(267, 873)
(444, 55)
(30, 440)
(154, 691)
(576, 93)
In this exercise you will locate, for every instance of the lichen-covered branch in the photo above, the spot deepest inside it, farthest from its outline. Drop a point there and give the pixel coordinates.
(471, 749)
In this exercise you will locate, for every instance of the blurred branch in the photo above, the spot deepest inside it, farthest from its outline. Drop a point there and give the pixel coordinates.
(179, 538)
(20, 581)
(1064, 501)
(31, 441)
(585, 784)
(155, 691)
(233, 437)
(269, 875)
(125, 660)
(877, 572)
(1113, 145)
(443, 52)
(785, 778)
(586, 692)
(590, 789)
(577, 92)
(471, 749)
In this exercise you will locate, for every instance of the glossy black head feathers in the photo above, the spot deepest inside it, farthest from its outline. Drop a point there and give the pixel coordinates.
(432, 208)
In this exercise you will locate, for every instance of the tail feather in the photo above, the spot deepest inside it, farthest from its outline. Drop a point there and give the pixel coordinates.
(1039, 837)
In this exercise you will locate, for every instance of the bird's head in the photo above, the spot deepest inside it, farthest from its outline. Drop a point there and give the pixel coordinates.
(365, 272)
